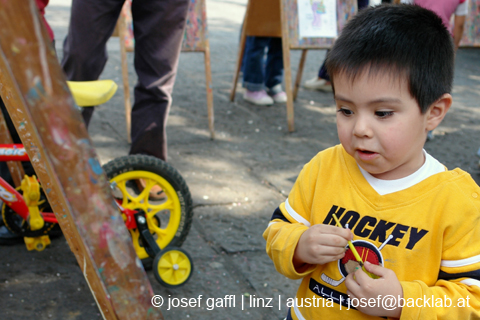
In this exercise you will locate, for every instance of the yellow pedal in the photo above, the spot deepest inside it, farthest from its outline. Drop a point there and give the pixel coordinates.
(92, 93)
(31, 195)
(31, 190)
(37, 243)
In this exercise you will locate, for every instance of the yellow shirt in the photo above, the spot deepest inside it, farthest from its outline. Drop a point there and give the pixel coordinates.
(428, 234)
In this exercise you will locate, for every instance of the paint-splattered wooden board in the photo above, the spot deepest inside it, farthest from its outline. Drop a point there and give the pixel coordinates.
(195, 37)
(33, 87)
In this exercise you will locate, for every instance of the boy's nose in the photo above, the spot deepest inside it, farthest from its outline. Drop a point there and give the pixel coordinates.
(362, 128)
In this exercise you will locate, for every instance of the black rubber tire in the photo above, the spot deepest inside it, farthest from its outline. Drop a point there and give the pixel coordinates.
(157, 166)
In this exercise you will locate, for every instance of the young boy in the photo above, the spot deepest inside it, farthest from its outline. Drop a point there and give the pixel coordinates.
(414, 224)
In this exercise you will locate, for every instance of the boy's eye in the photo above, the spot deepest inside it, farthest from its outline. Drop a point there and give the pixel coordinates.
(345, 112)
(383, 114)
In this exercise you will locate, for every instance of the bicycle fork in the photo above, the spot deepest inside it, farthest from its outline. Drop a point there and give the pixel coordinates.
(26, 206)
(31, 195)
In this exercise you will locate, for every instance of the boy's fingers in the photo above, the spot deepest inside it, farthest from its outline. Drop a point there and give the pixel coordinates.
(332, 251)
(332, 240)
(344, 233)
(360, 276)
(353, 288)
(375, 269)
(351, 295)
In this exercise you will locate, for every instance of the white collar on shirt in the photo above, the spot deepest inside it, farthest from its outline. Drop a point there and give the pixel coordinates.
(429, 168)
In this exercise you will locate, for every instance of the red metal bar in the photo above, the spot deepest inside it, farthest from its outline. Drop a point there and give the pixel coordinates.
(13, 199)
(13, 152)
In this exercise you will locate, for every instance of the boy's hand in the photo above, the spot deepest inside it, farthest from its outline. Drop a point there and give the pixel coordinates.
(321, 244)
(360, 285)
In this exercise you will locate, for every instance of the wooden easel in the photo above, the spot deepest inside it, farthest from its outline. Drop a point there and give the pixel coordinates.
(121, 31)
(279, 18)
(195, 40)
(32, 85)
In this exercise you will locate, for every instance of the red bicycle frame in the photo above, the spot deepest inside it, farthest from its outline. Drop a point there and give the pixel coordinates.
(13, 152)
(13, 199)
(8, 194)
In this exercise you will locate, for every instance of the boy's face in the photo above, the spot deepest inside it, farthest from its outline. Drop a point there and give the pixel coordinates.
(380, 124)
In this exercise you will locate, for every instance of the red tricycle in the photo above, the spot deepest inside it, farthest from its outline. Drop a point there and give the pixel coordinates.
(158, 225)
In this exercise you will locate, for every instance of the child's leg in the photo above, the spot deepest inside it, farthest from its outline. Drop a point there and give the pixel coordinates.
(84, 52)
(253, 71)
(274, 65)
(274, 71)
(253, 68)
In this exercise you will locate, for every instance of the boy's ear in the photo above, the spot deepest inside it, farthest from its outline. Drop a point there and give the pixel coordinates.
(438, 110)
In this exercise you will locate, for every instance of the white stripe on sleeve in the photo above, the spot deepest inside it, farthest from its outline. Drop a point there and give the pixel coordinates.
(460, 263)
(295, 215)
(471, 282)
(297, 311)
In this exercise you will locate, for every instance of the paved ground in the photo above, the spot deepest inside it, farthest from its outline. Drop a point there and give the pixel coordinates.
(236, 180)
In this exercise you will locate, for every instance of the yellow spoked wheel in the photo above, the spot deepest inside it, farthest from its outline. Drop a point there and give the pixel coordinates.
(149, 184)
(173, 267)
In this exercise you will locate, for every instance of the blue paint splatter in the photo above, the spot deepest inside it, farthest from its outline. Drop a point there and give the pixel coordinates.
(32, 93)
(96, 167)
(113, 288)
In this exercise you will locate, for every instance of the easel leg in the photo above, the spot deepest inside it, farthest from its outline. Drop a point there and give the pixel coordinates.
(287, 68)
(241, 50)
(299, 73)
(208, 86)
(126, 86)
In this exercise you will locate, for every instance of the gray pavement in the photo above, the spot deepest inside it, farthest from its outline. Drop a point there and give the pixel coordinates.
(236, 180)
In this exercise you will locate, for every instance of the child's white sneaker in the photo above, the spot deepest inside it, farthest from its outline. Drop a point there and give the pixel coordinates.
(318, 84)
(260, 98)
(277, 94)
(280, 97)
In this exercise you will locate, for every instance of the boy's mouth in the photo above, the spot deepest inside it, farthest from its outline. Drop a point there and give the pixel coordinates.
(366, 154)
(366, 151)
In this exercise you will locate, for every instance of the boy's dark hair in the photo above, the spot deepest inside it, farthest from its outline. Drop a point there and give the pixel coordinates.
(398, 39)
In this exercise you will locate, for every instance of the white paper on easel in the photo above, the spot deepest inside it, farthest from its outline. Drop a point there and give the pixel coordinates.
(317, 18)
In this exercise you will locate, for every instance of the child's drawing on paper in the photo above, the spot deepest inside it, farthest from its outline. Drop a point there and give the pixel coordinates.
(317, 18)
(318, 8)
